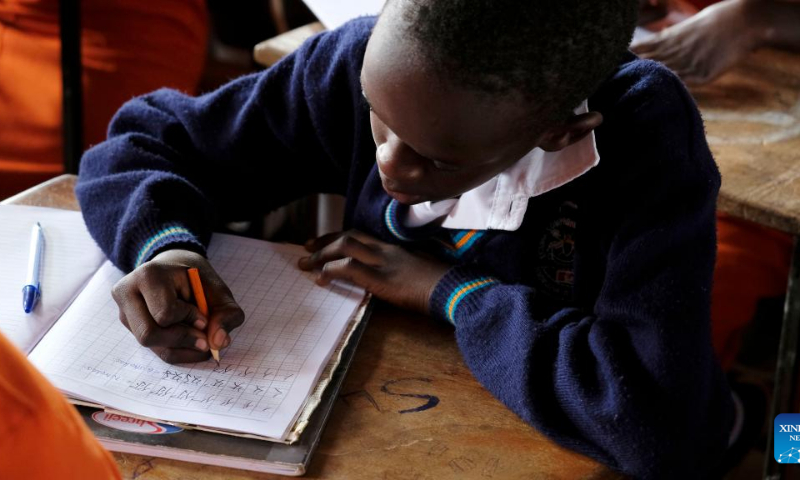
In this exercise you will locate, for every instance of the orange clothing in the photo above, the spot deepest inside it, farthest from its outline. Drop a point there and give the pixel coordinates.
(41, 435)
(129, 47)
(752, 263)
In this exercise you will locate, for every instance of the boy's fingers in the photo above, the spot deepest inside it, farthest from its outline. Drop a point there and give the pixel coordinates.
(135, 315)
(344, 246)
(167, 309)
(222, 320)
(180, 355)
(349, 270)
(175, 336)
(316, 244)
(321, 242)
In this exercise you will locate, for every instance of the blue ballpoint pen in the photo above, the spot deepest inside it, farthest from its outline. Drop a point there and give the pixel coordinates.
(31, 290)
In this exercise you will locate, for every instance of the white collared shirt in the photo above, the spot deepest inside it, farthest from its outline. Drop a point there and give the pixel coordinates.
(501, 203)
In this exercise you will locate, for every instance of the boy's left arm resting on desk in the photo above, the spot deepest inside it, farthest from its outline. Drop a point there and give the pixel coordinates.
(620, 383)
(632, 380)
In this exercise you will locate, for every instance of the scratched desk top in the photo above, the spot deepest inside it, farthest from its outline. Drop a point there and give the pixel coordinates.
(409, 409)
(752, 118)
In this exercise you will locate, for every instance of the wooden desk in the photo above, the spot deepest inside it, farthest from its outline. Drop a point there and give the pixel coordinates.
(387, 423)
(752, 117)
(271, 50)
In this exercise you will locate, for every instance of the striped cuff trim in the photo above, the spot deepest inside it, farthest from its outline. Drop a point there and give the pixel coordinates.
(391, 221)
(461, 292)
(158, 237)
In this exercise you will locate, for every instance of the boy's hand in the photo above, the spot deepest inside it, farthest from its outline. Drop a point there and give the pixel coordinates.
(388, 271)
(156, 305)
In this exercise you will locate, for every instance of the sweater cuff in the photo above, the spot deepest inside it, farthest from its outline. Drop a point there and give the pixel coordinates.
(154, 241)
(459, 293)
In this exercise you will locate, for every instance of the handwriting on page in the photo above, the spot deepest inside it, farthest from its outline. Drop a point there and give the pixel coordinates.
(291, 327)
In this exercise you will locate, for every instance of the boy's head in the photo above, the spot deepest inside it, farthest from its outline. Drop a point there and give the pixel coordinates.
(461, 89)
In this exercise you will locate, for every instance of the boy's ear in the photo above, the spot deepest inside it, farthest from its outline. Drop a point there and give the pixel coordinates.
(575, 128)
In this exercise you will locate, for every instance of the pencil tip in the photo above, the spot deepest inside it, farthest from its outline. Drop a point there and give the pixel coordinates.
(215, 354)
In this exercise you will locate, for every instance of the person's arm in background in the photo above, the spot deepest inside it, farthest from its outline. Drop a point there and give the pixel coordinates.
(41, 435)
(706, 45)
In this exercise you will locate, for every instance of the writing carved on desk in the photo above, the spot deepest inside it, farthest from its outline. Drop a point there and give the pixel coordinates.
(432, 400)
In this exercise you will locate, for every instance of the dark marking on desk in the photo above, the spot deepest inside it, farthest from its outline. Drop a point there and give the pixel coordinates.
(432, 400)
(437, 449)
(461, 464)
(490, 468)
(142, 468)
(359, 394)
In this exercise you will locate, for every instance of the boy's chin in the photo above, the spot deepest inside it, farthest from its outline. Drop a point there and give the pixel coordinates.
(406, 199)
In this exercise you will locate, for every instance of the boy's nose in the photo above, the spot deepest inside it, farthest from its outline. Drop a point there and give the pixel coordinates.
(398, 161)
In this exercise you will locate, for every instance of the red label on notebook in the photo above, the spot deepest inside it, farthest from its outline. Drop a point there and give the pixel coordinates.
(130, 424)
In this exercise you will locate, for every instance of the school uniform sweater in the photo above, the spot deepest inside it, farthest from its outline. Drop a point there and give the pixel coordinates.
(590, 322)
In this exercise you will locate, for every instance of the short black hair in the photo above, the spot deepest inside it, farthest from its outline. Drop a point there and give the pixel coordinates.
(553, 52)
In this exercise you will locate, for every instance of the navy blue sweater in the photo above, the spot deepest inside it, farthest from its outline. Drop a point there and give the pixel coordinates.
(590, 322)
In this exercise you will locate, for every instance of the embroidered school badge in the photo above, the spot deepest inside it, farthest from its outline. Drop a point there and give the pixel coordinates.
(557, 252)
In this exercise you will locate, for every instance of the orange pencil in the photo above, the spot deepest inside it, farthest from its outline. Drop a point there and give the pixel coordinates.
(200, 298)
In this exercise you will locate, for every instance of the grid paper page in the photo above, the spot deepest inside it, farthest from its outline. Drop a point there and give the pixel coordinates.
(69, 259)
(291, 327)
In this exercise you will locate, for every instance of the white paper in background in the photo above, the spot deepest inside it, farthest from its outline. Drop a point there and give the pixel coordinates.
(291, 328)
(69, 259)
(641, 33)
(334, 13)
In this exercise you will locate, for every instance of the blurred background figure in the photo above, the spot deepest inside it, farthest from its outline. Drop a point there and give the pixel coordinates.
(128, 47)
(702, 47)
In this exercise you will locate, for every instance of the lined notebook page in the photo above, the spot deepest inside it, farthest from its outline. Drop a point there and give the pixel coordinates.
(291, 327)
(69, 259)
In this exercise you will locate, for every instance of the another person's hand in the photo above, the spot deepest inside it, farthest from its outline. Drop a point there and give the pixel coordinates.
(704, 46)
(156, 305)
(388, 271)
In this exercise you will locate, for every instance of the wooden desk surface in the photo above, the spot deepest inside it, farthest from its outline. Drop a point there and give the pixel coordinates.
(405, 362)
(752, 118)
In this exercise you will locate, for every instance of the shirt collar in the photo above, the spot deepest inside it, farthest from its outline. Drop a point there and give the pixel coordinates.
(501, 202)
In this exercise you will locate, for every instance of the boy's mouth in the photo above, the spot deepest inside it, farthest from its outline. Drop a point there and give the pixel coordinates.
(404, 198)
(399, 195)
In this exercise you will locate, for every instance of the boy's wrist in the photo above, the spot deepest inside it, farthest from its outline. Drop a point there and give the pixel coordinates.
(459, 292)
(168, 237)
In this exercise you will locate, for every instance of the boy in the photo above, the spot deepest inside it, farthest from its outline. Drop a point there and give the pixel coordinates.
(459, 132)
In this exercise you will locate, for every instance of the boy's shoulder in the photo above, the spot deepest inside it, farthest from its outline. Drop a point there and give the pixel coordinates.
(642, 90)
(651, 125)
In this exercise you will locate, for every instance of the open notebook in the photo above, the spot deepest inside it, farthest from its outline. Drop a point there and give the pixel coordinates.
(265, 384)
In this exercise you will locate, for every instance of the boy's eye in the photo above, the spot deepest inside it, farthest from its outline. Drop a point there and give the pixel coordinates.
(366, 99)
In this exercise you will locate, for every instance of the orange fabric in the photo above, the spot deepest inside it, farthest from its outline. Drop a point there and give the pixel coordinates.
(129, 47)
(752, 263)
(41, 435)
